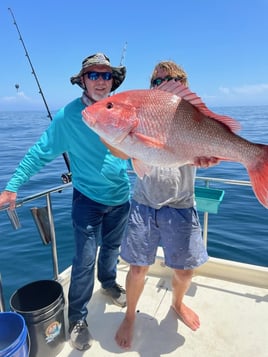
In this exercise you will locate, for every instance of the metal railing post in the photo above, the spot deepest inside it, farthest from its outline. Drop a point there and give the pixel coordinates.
(205, 223)
(2, 303)
(53, 238)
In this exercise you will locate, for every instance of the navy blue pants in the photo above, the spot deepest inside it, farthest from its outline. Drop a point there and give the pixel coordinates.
(94, 225)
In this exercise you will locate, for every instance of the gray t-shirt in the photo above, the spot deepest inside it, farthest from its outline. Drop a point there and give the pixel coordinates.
(172, 187)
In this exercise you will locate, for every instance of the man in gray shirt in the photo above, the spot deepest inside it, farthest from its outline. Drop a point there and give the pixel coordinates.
(163, 213)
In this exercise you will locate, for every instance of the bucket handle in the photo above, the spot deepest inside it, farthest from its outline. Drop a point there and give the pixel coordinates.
(29, 343)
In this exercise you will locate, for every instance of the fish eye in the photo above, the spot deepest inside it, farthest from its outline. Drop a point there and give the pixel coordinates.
(109, 105)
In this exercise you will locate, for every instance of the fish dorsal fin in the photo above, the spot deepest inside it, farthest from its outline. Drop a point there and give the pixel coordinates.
(179, 89)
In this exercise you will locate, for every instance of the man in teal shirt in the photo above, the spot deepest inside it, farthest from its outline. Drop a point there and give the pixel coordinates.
(100, 192)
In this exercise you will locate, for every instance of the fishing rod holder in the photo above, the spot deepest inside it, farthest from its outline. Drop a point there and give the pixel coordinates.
(13, 217)
(41, 219)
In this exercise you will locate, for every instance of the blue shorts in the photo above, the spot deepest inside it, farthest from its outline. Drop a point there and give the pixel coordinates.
(178, 231)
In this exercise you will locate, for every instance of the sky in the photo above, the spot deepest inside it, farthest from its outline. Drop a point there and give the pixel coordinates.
(221, 44)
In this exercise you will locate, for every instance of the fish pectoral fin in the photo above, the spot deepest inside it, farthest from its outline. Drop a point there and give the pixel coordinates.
(140, 168)
(150, 141)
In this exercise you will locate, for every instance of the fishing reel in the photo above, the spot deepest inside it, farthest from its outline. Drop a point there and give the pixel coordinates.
(66, 178)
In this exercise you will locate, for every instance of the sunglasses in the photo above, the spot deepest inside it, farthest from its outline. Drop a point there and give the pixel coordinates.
(157, 81)
(93, 76)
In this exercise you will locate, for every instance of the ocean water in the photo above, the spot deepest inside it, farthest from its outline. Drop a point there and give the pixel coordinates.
(239, 231)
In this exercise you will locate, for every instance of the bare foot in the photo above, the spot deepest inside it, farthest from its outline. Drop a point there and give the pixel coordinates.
(188, 316)
(124, 333)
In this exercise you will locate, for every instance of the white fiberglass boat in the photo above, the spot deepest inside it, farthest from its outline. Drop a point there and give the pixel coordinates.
(231, 299)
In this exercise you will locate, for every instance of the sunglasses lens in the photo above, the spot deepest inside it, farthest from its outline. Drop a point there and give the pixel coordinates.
(157, 82)
(168, 78)
(93, 76)
(106, 76)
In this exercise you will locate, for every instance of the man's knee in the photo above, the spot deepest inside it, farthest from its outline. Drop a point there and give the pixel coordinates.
(183, 274)
(138, 272)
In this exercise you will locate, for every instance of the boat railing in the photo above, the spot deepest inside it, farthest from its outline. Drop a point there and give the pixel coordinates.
(208, 180)
(43, 218)
(45, 222)
(216, 201)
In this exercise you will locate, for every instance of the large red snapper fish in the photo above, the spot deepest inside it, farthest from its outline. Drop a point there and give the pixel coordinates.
(171, 126)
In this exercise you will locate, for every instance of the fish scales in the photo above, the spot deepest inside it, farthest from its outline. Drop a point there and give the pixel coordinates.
(170, 127)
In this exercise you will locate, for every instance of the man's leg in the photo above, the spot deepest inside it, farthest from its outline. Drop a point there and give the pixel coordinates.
(113, 227)
(85, 215)
(181, 282)
(134, 287)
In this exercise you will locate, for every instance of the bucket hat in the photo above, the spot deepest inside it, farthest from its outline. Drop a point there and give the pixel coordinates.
(119, 73)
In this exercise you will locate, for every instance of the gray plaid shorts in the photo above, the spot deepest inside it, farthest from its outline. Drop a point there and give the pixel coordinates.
(177, 231)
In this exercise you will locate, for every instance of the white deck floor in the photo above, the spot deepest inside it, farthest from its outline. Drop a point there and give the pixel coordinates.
(234, 321)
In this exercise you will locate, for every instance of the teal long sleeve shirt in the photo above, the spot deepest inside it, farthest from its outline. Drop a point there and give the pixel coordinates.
(96, 173)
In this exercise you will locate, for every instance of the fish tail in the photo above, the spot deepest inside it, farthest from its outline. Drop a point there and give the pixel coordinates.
(258, 174)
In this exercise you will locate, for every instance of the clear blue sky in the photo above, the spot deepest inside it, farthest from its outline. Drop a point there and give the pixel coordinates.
(222, 44)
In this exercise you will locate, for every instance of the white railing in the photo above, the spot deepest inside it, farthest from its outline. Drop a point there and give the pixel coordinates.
(207, 181)
(49, 236)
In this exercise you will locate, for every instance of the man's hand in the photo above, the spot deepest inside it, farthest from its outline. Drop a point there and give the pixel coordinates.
(205, 162)
(115, 151)
(8, 197)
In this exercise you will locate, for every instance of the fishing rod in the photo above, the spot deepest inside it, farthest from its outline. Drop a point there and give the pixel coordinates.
(67, 176)
(123, 54)
(122, 57)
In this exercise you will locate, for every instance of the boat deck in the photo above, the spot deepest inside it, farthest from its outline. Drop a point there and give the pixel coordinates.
(234, 319)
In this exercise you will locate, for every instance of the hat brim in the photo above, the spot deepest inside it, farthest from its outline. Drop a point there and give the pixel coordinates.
(119, 74)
